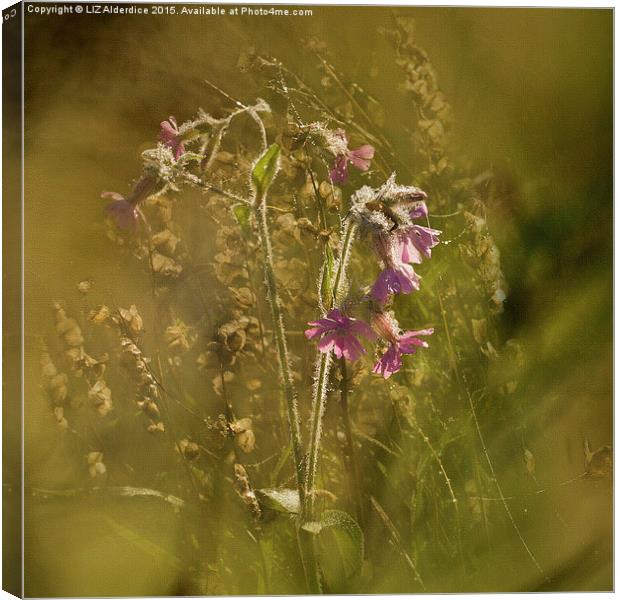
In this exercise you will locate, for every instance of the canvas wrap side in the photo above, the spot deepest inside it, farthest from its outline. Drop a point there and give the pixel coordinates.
(12, 341)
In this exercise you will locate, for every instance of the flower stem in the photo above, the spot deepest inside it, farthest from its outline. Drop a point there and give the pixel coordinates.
(286, 375)
(352, 468)
(306, 544)
(324, 363)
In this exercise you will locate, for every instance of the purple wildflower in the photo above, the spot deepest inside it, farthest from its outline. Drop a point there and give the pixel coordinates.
(359, 157)
(395, 279)
(170, 136)
(124, 210)
(339, 332)
(406, 343)
(415, 242)
(121, 211)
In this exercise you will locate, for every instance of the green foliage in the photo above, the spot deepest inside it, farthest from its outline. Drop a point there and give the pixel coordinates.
(242, 215)
(341, 547)
(265, 170)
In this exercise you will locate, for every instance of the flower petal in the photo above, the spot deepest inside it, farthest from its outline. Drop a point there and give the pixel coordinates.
(361, 328)
(328, 341)
(339, 172)
(360, 157)
(123, 214)
(389, 363)
(351, 348)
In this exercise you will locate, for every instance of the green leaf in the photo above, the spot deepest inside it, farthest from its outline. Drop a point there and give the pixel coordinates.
(265, 170)
(341, 547)
(282, 500)
(242, 214)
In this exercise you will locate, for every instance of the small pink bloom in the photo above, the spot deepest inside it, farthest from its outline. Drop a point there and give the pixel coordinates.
(395, 279)
(169, 135)
(339, 332)
(359, 157)
(339, 172)
(406, 343)
(420, 209)
(416, 242)
(121, 211)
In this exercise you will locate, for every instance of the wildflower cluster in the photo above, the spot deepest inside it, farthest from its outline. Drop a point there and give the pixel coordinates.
(386, 221)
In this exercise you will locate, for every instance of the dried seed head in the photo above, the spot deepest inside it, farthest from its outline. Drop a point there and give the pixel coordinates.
(99, 315)
(85, 286)
(100, 396)
(132, 319)
(166, 240)
(177, 337)
(243, 296)
(57, 388)
(96, 468)
(156, 428)
(190, 450)
(233, 336)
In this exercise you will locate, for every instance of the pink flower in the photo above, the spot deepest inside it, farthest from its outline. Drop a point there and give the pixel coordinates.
(124, 211)
(406, 343)
(415, 243)
(360, 157)
(169, 135)
(395, 279)
(339, 333)
(121, 211)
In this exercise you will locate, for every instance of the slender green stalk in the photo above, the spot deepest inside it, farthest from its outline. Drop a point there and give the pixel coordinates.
(319, 399)
(286, 375)
(324, 363)
(306, 544)
(353, 472)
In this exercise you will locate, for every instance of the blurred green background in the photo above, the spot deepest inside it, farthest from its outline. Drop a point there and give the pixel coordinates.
(532, 96)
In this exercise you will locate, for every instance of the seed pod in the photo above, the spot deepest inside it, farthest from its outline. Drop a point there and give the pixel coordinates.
(176, 336)
(101, 397)
(245, 491)
(253, 385)
(244, 436)
(164, 265)
(99, 315)
(85, 286)
(48, 369)
(132, 319)
(149, 408)
(232, 336)
(190, 450)
(156, 428)
(253, 327)
(243, 296)
(96, 468)
(166, 240)
(57, 387)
